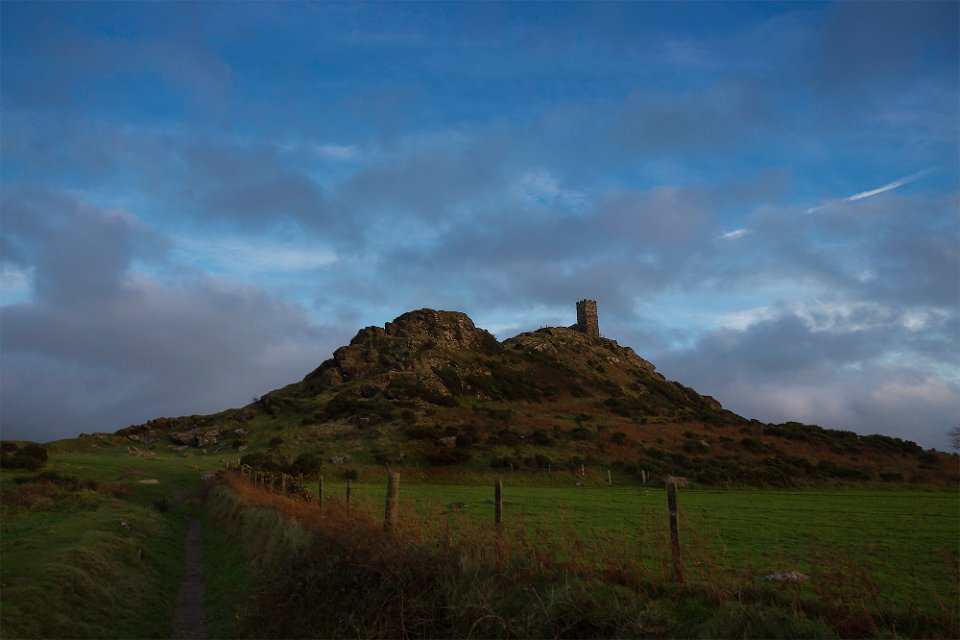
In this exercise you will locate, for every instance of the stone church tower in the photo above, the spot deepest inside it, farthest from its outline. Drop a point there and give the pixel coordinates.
(587, 318)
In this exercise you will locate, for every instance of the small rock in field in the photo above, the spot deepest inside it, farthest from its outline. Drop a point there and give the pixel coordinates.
(787, 576)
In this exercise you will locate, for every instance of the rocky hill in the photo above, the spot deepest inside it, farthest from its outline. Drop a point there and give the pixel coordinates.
(431, 389)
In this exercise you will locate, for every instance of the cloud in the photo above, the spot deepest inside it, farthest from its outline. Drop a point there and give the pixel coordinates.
(863, 42)
(896, 184)
(243, 257)
(735, 234)
(781, 368)
(890, 186)
(100, 345)
(730, 113)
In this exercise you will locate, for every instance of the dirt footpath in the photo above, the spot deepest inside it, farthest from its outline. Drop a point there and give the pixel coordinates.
(188, 621)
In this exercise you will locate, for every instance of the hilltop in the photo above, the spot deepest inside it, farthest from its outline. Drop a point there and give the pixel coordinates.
(431, 389)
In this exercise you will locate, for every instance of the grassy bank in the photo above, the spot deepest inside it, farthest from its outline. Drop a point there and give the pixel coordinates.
(443, 573)
(92, 545)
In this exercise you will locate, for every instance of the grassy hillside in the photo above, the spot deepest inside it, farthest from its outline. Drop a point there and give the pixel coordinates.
(432, 390)
(92, 543)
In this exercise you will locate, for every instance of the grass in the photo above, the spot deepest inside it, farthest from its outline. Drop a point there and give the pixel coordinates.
(95, 557)
(881, 561)
(897, 547)
(566, 578)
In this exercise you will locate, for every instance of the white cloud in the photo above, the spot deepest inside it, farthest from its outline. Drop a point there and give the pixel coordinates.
(15, 285)
(541, 187)
(733, 235)
(343, 152)
(247, 257)
(838, 316)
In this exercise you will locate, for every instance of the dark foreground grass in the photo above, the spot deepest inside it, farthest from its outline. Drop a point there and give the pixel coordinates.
(339, 574)
(88, 550)
(899, 547)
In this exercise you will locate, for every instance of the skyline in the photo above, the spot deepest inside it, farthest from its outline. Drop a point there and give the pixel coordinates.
(201, 201)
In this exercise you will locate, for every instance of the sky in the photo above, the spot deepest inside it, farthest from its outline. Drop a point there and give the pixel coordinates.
(199, 202)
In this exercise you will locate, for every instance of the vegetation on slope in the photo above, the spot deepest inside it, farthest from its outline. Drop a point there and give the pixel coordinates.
(430, 389)
(87, 549)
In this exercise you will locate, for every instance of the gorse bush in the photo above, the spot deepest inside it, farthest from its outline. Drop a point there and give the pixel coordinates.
(30, 456)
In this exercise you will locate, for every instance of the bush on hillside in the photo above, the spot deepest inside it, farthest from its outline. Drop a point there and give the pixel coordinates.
(30, 456)
(447, 457)
(307, 464)
(269, 460)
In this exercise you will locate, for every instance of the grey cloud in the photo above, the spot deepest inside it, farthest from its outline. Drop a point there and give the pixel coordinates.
(431, 181)
(863, 40)
(727, 114)
(110, 345)
(781, 370)
(79, 252)
(253, 185)
(63, 63)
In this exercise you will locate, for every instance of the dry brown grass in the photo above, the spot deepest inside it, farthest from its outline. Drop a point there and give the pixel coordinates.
(363, 580)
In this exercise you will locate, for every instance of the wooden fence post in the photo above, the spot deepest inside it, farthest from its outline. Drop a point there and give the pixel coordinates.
(272, 477)
(393, 500)
(609, 479)
(320, 491)
(674, 531)
(498, 520)
(348, 494)
(498, 506)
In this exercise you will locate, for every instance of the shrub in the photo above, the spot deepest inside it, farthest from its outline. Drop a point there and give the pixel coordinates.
(582, 433)
(420, 433)
(70, 483)
(270, 460)
(447, 457)
(30, 456)
(542, 461)
(306, 463)
(506, 436)
(696, 446)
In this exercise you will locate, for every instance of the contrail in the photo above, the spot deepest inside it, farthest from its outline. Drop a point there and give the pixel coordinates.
(733, 235)
(888, 187)
(874, 192)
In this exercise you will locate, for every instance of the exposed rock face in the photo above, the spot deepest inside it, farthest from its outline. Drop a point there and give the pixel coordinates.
(446, 329)
(199, 438)
(407, 343)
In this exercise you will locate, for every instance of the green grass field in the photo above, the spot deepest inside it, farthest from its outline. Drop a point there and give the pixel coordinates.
(66, 558)
(896, 548)
(100, 560)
